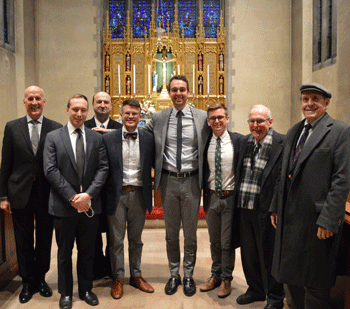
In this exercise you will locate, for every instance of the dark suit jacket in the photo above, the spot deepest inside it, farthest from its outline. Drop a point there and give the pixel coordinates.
(268, 182)
(111, 124)
(113, 143)
(159, 126)
(317, 194)
(60, 169)
(19, 166)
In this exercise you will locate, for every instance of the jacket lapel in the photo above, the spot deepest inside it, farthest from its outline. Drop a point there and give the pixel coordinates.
(142, 148)
(25, 132)
(164, 126)
(89, 143)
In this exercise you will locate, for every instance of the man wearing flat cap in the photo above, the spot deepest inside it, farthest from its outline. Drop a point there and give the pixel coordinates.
(309, 202)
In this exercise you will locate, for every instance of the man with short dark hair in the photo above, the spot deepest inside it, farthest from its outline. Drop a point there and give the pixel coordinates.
(102, 123)
(24, 192)
(128, 193)
(220, 160)
(180, 135)
(258, 169)
(308, 207)
(76, 166)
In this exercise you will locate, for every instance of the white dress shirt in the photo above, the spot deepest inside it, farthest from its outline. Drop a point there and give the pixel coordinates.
(227, 167)
(39, 123)
(105, 124)
(131, 160)
(73, 137)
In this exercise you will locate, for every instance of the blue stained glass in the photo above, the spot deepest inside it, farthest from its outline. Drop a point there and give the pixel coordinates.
(166, 13)
(187, 18)
(211, 17)
(6, 39)
(117, 18)
(142, 11)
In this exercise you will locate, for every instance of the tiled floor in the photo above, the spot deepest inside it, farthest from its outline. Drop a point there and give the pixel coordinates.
(155, 271)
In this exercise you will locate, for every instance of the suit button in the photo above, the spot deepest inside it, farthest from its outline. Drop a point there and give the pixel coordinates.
(289, 175)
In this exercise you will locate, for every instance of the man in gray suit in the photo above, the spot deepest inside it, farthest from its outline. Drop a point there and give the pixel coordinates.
(180, 135)
(76, 166)
(309, 203)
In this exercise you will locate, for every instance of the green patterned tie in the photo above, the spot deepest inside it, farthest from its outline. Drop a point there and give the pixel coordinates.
(218, 178)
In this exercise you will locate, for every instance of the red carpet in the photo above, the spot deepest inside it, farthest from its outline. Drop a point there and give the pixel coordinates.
(157, 213)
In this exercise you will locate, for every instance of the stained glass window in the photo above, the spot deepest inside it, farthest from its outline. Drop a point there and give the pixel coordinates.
(166, 13)
(6, 39)
(117, 18)
(142, 11)
(187, 18)
(211, 17)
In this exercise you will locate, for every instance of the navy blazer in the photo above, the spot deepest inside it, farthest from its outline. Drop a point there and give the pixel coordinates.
(61, 171)
(112, 124)
(113, 143)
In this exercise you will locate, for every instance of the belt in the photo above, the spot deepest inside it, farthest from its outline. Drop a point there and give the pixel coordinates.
(224, 194)
(129, 188)
(180, 175)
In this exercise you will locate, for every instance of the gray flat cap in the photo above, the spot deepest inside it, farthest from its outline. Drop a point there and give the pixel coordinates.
(316, 87)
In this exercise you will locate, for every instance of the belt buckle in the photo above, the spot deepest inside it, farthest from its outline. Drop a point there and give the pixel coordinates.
(178, 175)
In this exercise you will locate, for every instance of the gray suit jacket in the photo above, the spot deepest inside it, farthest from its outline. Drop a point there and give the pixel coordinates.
(60, 169)
(317, 193)
(159, 126)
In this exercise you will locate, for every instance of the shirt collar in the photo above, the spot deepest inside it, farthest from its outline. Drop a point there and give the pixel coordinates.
(314, 124)
(39, 120)
(98, 123)
(125, 130)
(71, 128)
(222, 137)
(185, 110)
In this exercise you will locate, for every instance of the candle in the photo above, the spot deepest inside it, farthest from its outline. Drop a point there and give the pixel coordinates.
(193, 80)
(134, 81)
(119, 78)
(149, 79)
(178, 69)
(208, 78)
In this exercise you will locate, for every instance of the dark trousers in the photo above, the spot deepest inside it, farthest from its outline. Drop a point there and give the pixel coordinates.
(257, 254)
(309, 298)
(82, 229)
(33, 256)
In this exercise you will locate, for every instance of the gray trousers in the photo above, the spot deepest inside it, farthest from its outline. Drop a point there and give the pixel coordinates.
(219, 220)
(129, 215)
(180, 201)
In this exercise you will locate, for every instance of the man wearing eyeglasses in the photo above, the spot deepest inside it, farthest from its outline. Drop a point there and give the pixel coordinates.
(309, 204)
(258, 169)
(76, 166)
(128, 194)
(220, 160)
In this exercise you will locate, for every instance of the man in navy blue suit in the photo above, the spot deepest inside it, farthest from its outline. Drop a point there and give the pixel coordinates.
(129, 193)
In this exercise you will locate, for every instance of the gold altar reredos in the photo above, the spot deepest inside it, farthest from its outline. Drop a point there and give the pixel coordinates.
(192, 57)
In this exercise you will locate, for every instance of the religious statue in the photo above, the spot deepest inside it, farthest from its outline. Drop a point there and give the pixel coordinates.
(200, 61)
(127, 62)
(221, 85)
(107, 84)
(154, 81)
(164, 62)
(221, 61)
(128, 85)
(107, 62)
(200, 84)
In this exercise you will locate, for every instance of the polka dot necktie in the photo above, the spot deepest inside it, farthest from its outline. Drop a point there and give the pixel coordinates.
(218, 177)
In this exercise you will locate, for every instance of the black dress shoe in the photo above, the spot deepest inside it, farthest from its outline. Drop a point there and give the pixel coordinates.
(27, 293)
(90, 298)
(44, 289)
(172, 284)
(66, 302)
(248, 298)
(269, 306)
(189, 286)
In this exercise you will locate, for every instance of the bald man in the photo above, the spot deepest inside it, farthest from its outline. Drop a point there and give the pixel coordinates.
(102, 123)
(24, 192)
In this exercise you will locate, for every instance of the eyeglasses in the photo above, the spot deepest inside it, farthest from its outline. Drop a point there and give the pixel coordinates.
(213, 119)
(258, 121)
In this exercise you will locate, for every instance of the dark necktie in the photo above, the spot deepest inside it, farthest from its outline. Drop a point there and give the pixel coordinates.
(133, 135)
(35, 136)
(255, 152)
(102, 126)
(80, 154)
(301, 142)
(179, 140)
(218, 176)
